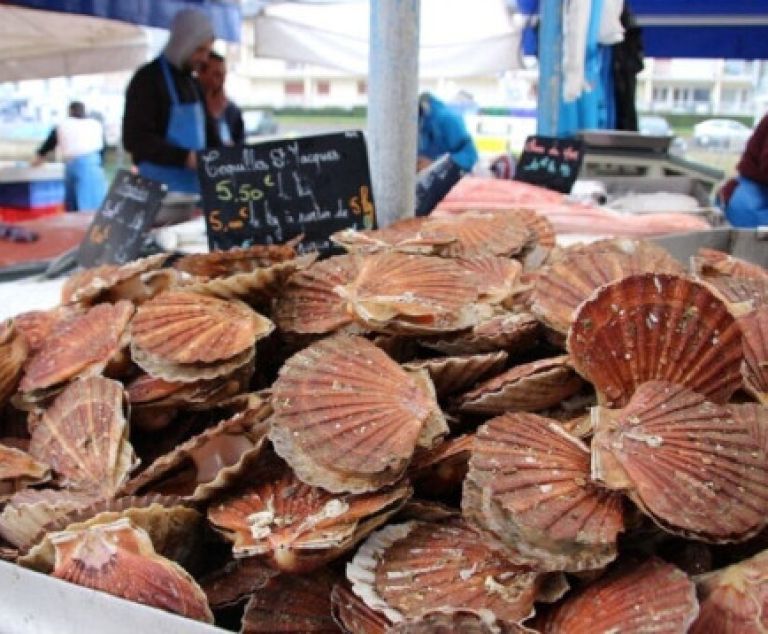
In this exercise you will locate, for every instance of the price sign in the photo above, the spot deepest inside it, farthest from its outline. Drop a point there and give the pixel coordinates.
(550, 162)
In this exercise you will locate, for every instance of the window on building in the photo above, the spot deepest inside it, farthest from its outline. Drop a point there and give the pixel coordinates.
(323, 87)
(660, 94)
(293, 87)
(701, 95)
(362, 87)
(735, 67)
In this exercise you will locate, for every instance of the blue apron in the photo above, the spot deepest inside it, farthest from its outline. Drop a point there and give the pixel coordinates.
(748, 206)
(186, 129)
(84, 183)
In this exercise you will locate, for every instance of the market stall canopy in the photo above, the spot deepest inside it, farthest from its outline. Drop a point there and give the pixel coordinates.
(458, 38)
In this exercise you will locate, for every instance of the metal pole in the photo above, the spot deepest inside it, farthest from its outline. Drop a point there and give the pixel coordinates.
(550, 66)
(393, 60)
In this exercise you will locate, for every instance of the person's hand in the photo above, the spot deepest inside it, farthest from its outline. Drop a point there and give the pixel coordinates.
(191, 162)
(422, 162)
(37, 161)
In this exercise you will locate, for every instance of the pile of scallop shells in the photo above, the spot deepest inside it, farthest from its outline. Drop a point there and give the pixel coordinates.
(454, 427)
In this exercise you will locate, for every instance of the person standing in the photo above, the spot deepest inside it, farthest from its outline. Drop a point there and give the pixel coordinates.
(226, 116)
(80, 142)
(165, 120)
(748, 204)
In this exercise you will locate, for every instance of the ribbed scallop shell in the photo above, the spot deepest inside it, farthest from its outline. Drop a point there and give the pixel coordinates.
(237, 260)
(79, 347)
(458, 620)
(187, 328)
(295, 527)
(408, 235)
(741, 294)
(713, 263)
(292, 603)
(13, 354)
(18, 470)
(679, 457)
(652, 598)
(541, 228)
(36, 325)
(648, 327)
(529, 484)
(755, 418)
(526, 388)
(347, 417)
(733, 600)
(754, 328)
(454, 374)
(120, 560)
(405, 570)
(235, 582)
(565, 284)
(482, 233)
(496, 277)
(83, 435)
(399, 293)
(512, 332)
(354, 616)
(309, 304)
(87, 286)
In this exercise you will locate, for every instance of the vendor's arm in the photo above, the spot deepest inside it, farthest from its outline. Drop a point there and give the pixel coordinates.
(49, 145)
(145, 122)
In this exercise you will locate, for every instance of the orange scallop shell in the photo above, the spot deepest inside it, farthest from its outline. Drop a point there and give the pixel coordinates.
(652, 597)
(448, 621)
(83, 435)
(79, 347)
(354, 616)
(496, 277)
(511, 332)
(296, 527)
(13, 354)
(120, 560)
(755, 418)
(454, 374)
(482, 233)
(741, 294)
(754, 328)
(529, 484)
(347, 418)
(237, 260)
(407, 235)
(405, 570)
(526, 388)
(648, 327)
(733, 600)
(309, 304)
(36, 325)
(18, 470)
(679, 456)
(235, 582)
(714, 263)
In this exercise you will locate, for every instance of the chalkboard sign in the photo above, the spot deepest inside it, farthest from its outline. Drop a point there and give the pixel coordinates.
(271, 192)
(434, 182)
(122, 222)
(550, 162)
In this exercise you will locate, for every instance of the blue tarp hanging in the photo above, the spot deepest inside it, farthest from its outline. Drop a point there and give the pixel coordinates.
(225, 14)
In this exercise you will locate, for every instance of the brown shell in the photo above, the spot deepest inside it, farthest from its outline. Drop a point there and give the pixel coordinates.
(36, 325)
(754, 328)
(18, 470)
(733, 600)
(454, 374)
(399, 293)
(407, 235)
(512, 332)
(91, 285)
(84, 437)
(527, 388)
(236, 260)
(740, 294)
(236, 581)
(187, 328)
(120, 560)
(654, 597)
(295, 527)
(713, 263)
(13, 354)
(565, 284)
(347, 417)
(292, 603)
(648, 327)
(352, 614)
(481, 233)
(405, 570)
(79, 347)
(529, 484)
(209, 462)
(309, 303)
(541, 228)
(679, 456)
(446, 621)
(755, 418)
(441, 471)
(496, 277)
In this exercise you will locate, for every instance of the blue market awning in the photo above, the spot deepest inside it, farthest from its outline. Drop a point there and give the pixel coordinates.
(156, 13)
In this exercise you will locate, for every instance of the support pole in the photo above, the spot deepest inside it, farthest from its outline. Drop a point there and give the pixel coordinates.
(393, 60)
(550, 66)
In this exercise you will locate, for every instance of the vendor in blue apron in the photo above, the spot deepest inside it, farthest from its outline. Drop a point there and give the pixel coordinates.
(165, 120)
(748, 204)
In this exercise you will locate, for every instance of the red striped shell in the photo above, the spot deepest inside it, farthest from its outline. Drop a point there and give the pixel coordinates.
(713, 263)
(454, 374)
(482, 233)
(351, 612)
(496, 277)
(754, 327)
(13, 354)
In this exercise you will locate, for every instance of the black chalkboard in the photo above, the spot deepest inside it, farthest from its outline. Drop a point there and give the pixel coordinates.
(270, 192)
(550, 162)
(120, 225)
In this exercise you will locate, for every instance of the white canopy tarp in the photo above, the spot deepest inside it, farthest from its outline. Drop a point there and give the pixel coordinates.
(457, 38)
(40, 44)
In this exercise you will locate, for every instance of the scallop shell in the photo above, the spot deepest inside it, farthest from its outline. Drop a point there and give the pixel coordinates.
(440, 471)
(755, 418)
(347, 417)
(237, 260)
(295, 527)
(458, 620)
(309, 305)
(18, 470)
(84, 437)
(93, 285)
(353, 615)
(496, 277)
(120, 560)
(481, 233)
(652, 597)
(512, 332)
(529, 484)
(235, 582)
(13, 354)
(648, 327)
(291, 603)
(405, 570)
(742, 295)
(36, 325)
(714, 263)
(732, 600)
(454, 374)
(679, 456)
(209, 462)
(413, 294)
(408, 235)
(525, 388)
(565, 284)
(754, 327)
(79, 347)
